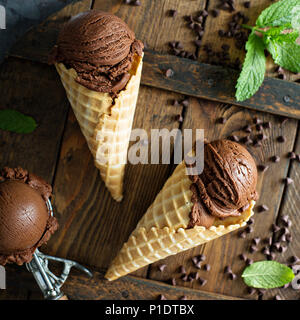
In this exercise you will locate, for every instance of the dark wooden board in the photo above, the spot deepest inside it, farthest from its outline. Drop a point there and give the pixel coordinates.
(29, 88)
(190, 77)
(87, 215)
(21, 285)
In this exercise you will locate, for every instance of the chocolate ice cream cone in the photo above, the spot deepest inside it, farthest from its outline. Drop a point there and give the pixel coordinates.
(166, 229)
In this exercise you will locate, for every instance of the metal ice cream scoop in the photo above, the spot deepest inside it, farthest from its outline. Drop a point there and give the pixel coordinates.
(49, 283)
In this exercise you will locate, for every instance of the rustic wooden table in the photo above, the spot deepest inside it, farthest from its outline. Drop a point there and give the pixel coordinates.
(92, 226)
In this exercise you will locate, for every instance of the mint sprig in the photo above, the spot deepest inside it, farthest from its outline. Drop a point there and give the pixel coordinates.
(267, 275)
(277, 30)
(14, 121)
(277, 14)
(253, 72)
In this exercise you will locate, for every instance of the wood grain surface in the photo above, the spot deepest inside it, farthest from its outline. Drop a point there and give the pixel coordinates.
(87, 215)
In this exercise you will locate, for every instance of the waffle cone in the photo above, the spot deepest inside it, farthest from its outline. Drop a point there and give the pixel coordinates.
(163, 231)
(105, 123)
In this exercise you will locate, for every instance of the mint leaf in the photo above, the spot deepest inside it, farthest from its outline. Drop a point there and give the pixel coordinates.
(254, 67)
(283, 34)
(267, 275)
(277, 14)
(286, 55)
(14, 121)
(296, 17)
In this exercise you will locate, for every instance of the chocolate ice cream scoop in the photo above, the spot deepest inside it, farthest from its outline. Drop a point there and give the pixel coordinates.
(23, 216)
(226, 185)
(25, 223)
(100, 47)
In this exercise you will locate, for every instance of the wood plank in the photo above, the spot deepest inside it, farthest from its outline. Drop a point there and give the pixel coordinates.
(80, 287)
(289, 207)
(33, 89)
(218, 84)
(224, 251)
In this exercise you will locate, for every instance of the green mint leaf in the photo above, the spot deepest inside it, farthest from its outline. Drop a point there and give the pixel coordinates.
(267, 275)
(281, 35)
(286, 55)
(253, 71)
(14, 121)
(277, 14)
(296, 18)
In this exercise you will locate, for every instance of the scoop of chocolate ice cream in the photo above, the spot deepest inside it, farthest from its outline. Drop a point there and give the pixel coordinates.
(23, 216)
(100, 47)
(25, 223)
(226, 185)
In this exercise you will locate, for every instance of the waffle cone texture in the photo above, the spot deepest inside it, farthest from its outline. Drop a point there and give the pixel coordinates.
(105, 123)
(163, 230)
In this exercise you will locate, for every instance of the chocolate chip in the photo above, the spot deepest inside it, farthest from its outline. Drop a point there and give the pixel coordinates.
(291, 155)
(176, 103)
(250, 221)
(232, 276)
(247, 4)
(206, 267)
(265, 250)
(162, 297)
(221, 33)
(221, 120)
(202, 282)
(247, 128)
(267, 125)
(194, 275)
(262, 208)
(173, 13)
(261, 137)
(183, 298)
(136, 3)
(277, 297)
(182, 270)
(234, 138)
(256, 240)
(184, 277)
(262, 167)
(242, 234)
(253, 248)
(257, 120)
(169, 73)
(281, 139)
(249, 261)
(179, 118)
(249, 229)
(243, 257)
(259, 127)
(214, 13)
(257, 144)
(268, 240)
(195, 260)
(275, 228)
(185, 102)
(162, 267)
(251, 291)
(275, 159)
(172, 281)
(227, 270)
(294, 259)
(288, 181)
